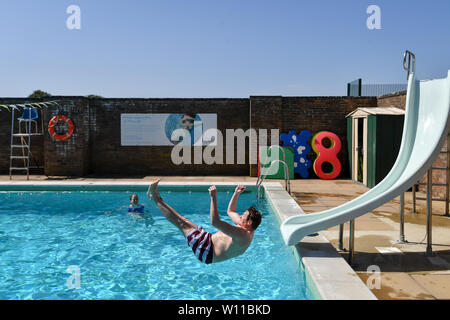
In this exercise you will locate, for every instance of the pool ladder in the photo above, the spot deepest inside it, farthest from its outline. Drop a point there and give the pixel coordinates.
(262, 177)
(21, 161)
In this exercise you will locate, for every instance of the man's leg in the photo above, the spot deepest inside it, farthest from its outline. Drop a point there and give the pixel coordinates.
(174, 217)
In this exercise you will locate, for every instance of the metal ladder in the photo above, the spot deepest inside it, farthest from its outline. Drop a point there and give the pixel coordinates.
(24, 147)
(446, 184)
(429, 176)
(409, 65)
(262, 177)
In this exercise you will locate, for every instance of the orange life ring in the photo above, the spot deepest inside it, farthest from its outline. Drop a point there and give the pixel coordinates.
(54, 121)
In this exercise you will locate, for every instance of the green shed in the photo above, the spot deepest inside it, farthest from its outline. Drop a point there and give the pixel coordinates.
(374, 136)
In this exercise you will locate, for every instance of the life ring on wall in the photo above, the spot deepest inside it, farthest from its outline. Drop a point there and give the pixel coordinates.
(54, 121)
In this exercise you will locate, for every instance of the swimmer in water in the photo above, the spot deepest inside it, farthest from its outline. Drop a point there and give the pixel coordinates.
(136, 210)
(135, 206)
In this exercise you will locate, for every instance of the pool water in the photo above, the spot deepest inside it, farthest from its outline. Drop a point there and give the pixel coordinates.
(121, 257)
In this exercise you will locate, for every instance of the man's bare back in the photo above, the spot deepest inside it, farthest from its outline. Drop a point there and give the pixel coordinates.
(231, 241)
(225, 247)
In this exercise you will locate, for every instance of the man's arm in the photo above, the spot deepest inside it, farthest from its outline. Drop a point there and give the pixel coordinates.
(232, 205)
(223, 226)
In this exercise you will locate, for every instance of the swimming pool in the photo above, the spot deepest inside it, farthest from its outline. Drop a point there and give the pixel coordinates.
(119, 257)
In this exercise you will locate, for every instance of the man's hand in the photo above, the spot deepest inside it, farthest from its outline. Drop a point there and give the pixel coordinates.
(213, 191)
(239, 189)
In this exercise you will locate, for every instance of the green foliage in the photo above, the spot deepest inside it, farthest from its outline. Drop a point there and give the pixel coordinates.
(39, 94)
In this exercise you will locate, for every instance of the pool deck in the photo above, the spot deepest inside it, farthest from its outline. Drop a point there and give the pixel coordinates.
(406, 272)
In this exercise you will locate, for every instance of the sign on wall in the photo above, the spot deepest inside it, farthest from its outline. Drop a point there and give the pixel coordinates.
(168, 129)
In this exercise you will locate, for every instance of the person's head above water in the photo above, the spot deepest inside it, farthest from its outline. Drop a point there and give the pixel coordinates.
(251, 218)
(134, 199)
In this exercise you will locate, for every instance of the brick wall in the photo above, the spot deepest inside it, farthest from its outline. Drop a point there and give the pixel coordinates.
(398, 100)
(67, 158)
(5, 137)
(308, 113)
(265, 113)
(37, 145)
(70, 157)
(107, 156)
(95, 145)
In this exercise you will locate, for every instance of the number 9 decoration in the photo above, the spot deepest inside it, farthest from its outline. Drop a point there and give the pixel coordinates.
(325, 154)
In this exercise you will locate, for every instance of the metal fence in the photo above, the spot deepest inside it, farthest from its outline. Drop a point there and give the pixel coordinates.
(357, 89)
(354, 88)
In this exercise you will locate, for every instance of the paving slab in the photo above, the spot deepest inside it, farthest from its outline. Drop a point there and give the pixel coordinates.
(437, 284)
(397, 286)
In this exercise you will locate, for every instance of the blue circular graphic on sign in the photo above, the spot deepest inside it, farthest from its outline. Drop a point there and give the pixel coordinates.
(173, 122)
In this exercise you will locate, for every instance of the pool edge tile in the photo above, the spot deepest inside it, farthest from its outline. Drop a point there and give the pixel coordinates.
(333, 280)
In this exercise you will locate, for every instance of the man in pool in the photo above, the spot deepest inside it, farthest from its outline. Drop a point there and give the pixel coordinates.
(231, 241)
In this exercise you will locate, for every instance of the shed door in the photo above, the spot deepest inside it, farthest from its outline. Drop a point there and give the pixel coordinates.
(359, 149)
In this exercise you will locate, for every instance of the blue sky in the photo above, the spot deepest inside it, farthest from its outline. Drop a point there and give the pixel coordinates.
(208, 48)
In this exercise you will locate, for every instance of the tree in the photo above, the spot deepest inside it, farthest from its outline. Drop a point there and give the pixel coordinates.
(94, 96)
(39, 94)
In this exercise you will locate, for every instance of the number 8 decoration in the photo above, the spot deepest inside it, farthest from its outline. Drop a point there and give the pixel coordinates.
(325, 154)
(301, 150)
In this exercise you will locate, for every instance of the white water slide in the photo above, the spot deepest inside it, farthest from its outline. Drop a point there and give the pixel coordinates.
(425, 128)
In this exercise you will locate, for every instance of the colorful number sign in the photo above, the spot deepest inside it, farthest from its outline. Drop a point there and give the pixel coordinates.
(301, 149)
(325, 154)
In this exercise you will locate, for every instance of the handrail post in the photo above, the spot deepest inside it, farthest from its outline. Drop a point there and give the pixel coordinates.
(262, 176)
(12, 140)
(341, 237)
(447, 186)
(407, 56)
(429, 212)
(351, 243)
(29, 144)
(259, 181)
(402, 218)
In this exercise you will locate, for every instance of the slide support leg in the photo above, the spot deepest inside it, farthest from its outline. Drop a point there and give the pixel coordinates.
(341, 237)
(402, 218)
(429, 212)
(351, 253)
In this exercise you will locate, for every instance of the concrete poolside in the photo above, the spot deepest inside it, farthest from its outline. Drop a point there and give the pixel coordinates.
(406, 272)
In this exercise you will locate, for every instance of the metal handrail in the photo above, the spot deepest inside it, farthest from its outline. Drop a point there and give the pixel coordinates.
(12, 140)
(267, 157)
(287, 183)
(261, 178)
(407, 56)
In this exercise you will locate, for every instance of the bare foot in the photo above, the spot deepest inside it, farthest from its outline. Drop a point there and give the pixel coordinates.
(152, 192)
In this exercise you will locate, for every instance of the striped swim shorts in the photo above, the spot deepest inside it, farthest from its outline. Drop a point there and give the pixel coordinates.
(201, 243)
